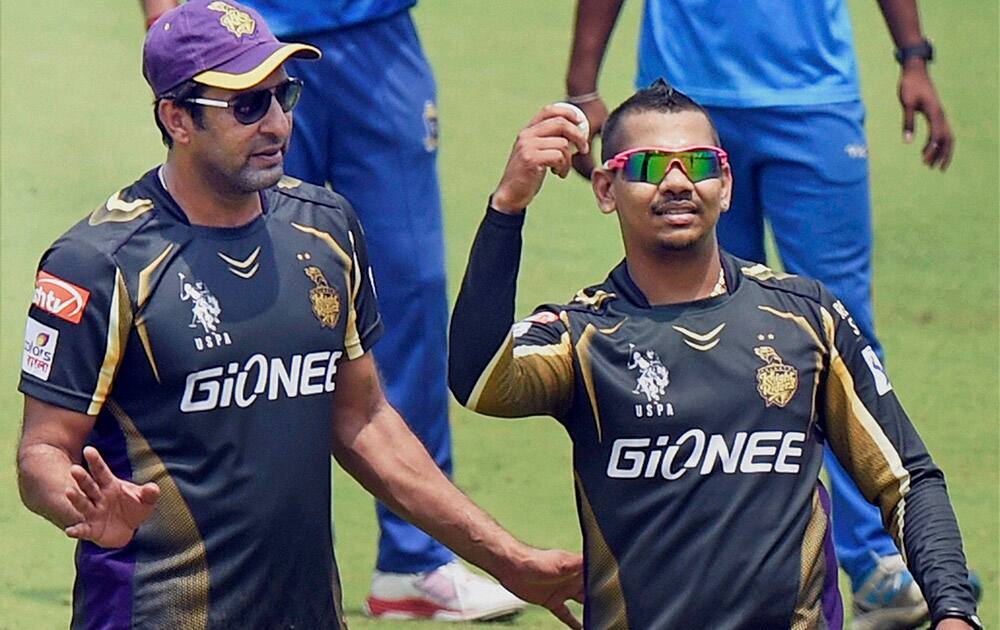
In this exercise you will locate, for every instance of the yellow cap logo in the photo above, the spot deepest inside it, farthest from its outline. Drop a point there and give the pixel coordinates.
(237, 22)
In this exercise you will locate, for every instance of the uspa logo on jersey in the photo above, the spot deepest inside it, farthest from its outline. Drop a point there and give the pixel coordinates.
(651, 381)
(205, 311)
(63, 299)
(39, 348)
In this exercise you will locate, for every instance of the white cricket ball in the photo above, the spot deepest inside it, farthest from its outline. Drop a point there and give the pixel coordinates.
(581, 118)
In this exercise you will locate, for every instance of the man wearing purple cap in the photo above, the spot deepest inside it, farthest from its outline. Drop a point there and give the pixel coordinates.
(372, 101)
(196, 349)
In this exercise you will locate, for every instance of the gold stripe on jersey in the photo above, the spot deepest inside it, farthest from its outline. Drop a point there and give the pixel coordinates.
(352, 339)
(119, 324)
(820, 346)
(861, 445)
(763, 272)
(808, 611)
(583, 352)
(142, 296)
(605, 597)
(117, 210)
(526, 380)
(177, 572)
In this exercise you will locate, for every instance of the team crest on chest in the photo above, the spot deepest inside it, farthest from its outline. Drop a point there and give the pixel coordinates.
(652, 379)
(205, 312)
(776, 381)
(325, 299)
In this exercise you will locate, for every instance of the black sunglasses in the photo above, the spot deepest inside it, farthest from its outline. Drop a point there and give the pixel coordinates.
(249, 107)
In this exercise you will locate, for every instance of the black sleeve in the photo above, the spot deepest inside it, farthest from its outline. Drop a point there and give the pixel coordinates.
(76, 329)
(876, 443)
(493, 367)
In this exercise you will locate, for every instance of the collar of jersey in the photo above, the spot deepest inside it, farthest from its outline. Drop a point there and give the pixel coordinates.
(165, 200)
(622, 284)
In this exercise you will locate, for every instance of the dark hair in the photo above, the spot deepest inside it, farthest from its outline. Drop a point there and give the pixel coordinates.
(186, 90)
(660, 96)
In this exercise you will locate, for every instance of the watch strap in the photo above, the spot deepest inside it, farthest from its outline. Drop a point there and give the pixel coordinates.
(924, 50)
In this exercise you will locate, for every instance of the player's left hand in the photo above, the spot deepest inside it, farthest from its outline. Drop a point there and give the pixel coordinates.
(917, 94)
(952, 624)
(549, 577)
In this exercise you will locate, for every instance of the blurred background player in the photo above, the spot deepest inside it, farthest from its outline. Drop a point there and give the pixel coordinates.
(780, 80)
(368, 126)
(698, 390)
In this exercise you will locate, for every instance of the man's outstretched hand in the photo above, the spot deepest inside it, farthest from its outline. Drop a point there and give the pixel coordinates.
(112, 508)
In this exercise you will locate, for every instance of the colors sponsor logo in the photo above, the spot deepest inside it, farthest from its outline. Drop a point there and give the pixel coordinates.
(39, 349)
(63, 299)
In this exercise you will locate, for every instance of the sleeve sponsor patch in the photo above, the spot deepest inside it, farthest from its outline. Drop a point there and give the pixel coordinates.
(882, 384)
(542, 317)
(523, 326)
(39, 348)
(63, 299)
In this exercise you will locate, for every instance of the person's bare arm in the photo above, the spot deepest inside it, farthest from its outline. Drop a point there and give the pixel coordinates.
(595, 20)
(916, 90)
(373, 444)
(153, 9)
(87, 503)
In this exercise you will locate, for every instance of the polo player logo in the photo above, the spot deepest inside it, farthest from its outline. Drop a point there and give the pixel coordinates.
(205, 309)
(776, 381)
(324, 298)
(653, 377)
(237, 22)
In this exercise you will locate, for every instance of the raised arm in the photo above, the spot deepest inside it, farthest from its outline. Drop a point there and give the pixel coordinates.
(485, 370)
(595, 20)
(916, 90)
(373, 443)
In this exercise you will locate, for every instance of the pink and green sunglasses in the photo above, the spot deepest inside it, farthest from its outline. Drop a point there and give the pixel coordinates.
(651, 164)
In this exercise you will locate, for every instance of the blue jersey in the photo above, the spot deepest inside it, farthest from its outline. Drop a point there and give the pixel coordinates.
(288, 18)
(750, 53)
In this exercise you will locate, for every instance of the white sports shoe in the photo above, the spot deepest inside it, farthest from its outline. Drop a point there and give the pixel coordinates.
(448, 593)
(889, 599)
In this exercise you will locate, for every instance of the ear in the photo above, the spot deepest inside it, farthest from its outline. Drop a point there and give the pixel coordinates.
(601, 181)
(726, 194)
(176, 120)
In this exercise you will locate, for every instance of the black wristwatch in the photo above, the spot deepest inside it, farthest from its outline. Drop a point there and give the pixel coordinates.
(924, 50)
(971, 619)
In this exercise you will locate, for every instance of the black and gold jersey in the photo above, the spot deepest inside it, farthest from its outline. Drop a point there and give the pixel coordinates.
(698, 433)
(209, 357)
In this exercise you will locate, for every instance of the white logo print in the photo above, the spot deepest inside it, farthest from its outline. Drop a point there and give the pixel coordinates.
(882, 384)
(651, 382)
(205, 311)
(856, 151)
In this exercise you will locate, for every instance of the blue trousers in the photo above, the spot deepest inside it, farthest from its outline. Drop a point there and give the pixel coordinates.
(805, 169)
(367, 126)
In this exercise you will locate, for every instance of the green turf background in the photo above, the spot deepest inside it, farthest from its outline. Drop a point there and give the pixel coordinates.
(76, 125)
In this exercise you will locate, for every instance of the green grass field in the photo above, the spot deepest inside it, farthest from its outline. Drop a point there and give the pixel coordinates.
(76, 125)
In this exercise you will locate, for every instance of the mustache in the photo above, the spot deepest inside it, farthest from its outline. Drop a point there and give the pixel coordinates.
(670, 199)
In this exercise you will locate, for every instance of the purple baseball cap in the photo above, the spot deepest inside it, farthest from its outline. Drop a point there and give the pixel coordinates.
(216, 43)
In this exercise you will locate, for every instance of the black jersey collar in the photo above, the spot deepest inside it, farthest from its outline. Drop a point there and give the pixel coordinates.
(150, 184)
(620, 282)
